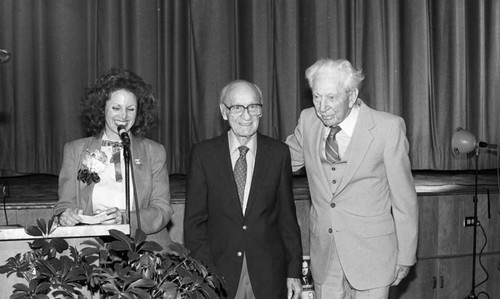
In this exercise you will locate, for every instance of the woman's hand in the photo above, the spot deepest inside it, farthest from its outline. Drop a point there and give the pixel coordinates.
(115, 216)
(70, 217)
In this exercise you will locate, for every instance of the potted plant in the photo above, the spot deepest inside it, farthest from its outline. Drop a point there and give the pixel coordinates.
(124, 267)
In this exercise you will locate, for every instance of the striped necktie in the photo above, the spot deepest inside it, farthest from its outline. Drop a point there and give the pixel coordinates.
(332, 147)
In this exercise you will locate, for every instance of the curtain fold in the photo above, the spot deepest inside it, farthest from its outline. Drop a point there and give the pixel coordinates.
(435, 63)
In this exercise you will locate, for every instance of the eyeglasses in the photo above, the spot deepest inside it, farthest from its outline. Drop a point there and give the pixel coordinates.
(253, 109)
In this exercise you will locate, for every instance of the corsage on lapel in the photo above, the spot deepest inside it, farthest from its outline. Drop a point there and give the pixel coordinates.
(93, 162)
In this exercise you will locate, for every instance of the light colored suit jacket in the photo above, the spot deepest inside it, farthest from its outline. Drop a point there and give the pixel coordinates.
(368, 205)
(151, 178)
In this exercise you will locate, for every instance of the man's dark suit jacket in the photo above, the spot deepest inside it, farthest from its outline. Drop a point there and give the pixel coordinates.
(217, 232)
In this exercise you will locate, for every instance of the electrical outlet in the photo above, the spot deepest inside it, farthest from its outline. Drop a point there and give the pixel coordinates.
(4, 190)
(469, 221)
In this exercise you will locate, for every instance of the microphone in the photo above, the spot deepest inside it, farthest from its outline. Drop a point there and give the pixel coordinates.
(487, 145)
(4, 56)
(123, 134)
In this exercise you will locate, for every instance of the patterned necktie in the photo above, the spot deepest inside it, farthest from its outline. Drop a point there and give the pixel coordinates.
(115, 158)
(332, 147)
(240, 172)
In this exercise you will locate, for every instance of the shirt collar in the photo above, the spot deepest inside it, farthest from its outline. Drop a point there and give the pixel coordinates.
(349, 122)
(347, 125)
(234, 143)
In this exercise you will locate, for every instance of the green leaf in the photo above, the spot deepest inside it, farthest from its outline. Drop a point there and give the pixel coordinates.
(19, 296)
(21, 287)
(59, 244)
(46, 248)
(200, 267)
(208, 292)
(151, 246)
(97, 242)
(134, 276)
(119, 235)
(186, 280)
(46, 268)
(139, 236)
(37, 243)
(119, 246)
(143, 283)
(91, 259)
(42, 287)
(33, 231)
(75, 276)
(33, 285)
(128, 295)
(111, 288)
(178, 248)
(140, 293)
(73, 252)
(52, 225)
(89, 251)
(197, 279)
(170, 289)
(183, 272)
(42, 225)
(133, 256)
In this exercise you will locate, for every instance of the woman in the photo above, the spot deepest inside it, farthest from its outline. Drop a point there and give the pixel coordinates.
(92, 177)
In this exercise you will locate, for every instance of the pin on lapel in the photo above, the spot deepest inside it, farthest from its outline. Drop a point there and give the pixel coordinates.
(137, 161)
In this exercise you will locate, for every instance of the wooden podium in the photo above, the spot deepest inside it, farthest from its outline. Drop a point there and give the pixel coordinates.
(14, 240)
(14, 233)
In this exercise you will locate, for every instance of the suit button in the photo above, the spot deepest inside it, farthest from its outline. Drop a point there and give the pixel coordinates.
(334, 182)
(333, 168)
(330, 230)
(239, 253)
(244, 227)
(332, 205)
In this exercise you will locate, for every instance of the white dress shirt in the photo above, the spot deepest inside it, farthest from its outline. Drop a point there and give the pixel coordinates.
(109, 193)
(235, 154)
(343, 137)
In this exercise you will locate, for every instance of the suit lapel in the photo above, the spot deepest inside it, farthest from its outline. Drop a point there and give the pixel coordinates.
(260, 170)
(222, 161)
(86, 190)
(359, 145)
(138, 158)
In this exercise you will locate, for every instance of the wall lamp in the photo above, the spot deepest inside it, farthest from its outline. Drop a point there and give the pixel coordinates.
(463, 142)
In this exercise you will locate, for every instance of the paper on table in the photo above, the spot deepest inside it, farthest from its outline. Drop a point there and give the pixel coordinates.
(98, 218)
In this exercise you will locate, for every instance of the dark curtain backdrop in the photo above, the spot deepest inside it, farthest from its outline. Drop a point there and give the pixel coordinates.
(435, 63)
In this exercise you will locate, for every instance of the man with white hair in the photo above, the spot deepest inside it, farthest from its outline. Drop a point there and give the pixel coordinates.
(364, 212)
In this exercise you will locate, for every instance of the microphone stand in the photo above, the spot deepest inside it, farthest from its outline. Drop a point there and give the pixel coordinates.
(5, 191)
(472, 294)
(126, 157)
(130, 169)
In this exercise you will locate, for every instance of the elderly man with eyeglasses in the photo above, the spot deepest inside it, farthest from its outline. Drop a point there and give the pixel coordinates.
(240, 213)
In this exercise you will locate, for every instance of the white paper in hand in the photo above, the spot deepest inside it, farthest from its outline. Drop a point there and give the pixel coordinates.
(96, 219)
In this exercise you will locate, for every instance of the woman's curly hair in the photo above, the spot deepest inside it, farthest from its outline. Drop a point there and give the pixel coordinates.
(94, 102)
